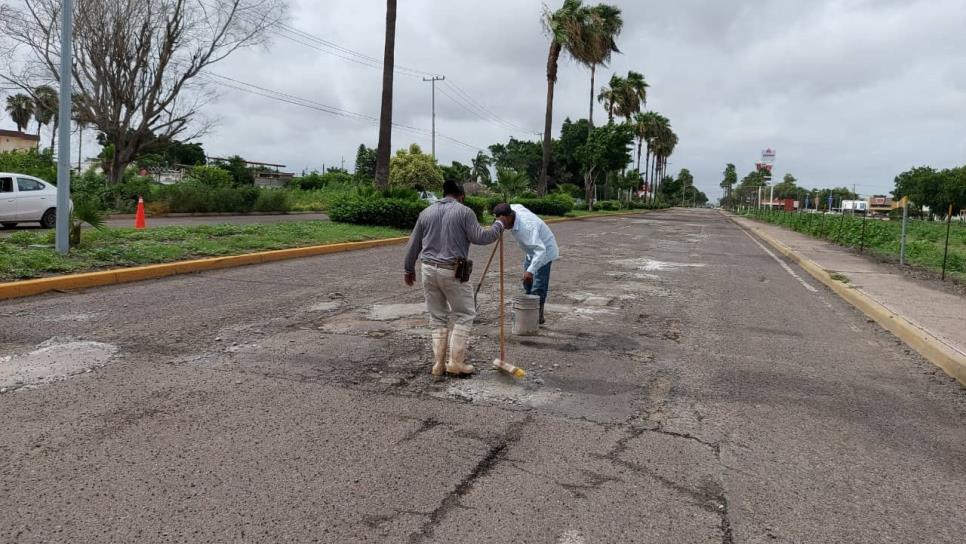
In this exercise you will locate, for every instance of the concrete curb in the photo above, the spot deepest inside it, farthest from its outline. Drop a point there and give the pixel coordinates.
(949, 359)
(26, 288)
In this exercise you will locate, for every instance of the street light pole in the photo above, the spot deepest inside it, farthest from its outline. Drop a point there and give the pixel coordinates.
(434, 79)
(62, 241)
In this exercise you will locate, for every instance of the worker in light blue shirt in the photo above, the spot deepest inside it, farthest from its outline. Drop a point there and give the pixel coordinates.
(537, 242)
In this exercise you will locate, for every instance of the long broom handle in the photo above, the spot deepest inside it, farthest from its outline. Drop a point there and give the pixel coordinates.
(502, 307)
(485, 270)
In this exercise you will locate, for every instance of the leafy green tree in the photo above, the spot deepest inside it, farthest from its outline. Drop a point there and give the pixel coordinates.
(933, 189)
(566, 166)
(457, 172)
(626, 183)
(519, 155)
(730, 178)
(188, 154)
(411, 167)
(240, 171)
(21, 109)
(46, 105)
(566, 28)
(787, 188)
(211, 176)
(365, 163)
(607, 149)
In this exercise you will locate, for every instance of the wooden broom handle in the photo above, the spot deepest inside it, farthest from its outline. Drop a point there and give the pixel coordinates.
(502, 307)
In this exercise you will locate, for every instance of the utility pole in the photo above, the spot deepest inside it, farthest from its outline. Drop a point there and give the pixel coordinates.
(434, 79)
(62, 240)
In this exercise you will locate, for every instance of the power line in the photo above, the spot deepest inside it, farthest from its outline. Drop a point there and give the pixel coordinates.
(272, 94)
(463, 99)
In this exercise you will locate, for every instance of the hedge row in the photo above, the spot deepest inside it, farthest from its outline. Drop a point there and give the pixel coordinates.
(383, 212)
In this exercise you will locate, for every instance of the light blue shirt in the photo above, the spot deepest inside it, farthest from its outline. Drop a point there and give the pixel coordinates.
(534, 237)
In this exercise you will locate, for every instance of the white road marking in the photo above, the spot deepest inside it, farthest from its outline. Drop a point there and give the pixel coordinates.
(781, 262)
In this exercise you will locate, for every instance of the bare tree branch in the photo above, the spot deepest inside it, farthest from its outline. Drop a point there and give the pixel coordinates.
(136, 62)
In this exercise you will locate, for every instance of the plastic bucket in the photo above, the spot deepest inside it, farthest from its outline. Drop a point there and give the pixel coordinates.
(526, 315)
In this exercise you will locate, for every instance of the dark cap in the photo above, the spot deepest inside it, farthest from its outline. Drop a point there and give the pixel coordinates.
(451, 188)
(502, 210)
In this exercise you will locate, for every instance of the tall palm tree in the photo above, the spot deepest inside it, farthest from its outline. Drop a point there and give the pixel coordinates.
(480, 170)
(385, 116)
(566, 27)
(647, 127)
(611, 96)
(663, 147)
(636, 89)
(21, 109)
(80, 113)
(600, 43)
(46, 104)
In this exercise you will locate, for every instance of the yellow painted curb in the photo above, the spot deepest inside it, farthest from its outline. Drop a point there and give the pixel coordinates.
(124, 275)
(26, 288)
(932, 348)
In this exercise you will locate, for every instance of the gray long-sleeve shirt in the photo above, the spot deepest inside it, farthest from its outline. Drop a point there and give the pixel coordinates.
(444, 232)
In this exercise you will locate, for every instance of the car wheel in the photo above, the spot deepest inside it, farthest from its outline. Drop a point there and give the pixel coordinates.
(8, 225)
(49, 220)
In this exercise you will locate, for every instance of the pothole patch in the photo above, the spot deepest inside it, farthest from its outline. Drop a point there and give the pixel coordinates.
(53, 360)
(391, 312)
(652, 265)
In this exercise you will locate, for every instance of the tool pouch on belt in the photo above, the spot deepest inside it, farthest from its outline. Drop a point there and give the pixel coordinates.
(464, 268)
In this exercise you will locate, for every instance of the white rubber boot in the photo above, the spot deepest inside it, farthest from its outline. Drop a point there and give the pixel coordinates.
(440, 341)
(459, 342)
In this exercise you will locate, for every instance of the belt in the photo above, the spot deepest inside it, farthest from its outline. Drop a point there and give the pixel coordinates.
(447, 266)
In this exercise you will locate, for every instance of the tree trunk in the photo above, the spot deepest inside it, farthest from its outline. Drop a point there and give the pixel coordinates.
(38, 135)
(53, 135)
(647, 169)
(590, 116)
(80, 147)
(552, 59)
(640, 143)
(589, 190)
(385, 117)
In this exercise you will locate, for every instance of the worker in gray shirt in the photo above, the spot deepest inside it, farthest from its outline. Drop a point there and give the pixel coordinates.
(442, 236)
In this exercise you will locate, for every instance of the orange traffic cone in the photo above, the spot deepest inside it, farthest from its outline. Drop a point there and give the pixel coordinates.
(139, 222)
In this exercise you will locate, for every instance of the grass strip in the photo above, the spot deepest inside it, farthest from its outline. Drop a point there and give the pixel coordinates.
(30, 254)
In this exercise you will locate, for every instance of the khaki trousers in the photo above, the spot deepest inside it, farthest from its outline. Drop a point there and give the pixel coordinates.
(447, 299)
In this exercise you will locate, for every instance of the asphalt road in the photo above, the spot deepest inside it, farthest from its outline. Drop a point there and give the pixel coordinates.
(194, 220)
(688, 389)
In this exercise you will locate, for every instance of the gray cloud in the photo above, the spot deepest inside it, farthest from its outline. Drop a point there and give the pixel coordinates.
(848, 91)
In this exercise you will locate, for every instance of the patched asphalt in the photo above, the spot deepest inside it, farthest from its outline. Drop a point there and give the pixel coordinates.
(686, 389)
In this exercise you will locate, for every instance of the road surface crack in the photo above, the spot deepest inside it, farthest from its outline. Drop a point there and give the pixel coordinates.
(495, 454)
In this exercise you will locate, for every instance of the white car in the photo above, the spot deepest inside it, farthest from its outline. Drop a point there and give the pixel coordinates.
(26, 199)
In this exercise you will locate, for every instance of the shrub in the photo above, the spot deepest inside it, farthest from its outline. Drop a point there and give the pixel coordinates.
(384, 212)
(575, 191)
(31, 163)
(316, 180)
(211, 176)
(192, 197)
(556, 204)
(607, 205)
(273, 200)
(479, 205)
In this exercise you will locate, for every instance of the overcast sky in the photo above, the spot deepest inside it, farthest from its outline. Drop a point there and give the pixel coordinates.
(847, 91)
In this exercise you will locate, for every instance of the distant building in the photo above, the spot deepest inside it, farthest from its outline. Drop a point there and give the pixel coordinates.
(266, 174)
(881, 205)
(11, 140)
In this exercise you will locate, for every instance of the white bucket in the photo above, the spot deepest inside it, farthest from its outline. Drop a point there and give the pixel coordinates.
(526, 315)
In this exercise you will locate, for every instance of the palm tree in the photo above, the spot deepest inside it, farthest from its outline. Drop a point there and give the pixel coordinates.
(636, 93)
(647, 127)
(46, 104)
(566, 27)
(663, 147)
(511, 183)
(21, 109)
(480, 171)
(385, 116)
(80, 112)
(600, 43)
(611, 95)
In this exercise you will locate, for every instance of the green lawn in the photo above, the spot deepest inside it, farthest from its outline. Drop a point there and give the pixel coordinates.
(30, 254)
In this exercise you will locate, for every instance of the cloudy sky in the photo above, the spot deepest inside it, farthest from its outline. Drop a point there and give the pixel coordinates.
(847, 91)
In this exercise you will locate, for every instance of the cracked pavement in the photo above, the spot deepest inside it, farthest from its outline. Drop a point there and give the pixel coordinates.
(687, 389)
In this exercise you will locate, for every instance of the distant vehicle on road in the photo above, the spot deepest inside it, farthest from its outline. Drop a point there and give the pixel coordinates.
(26, 199)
